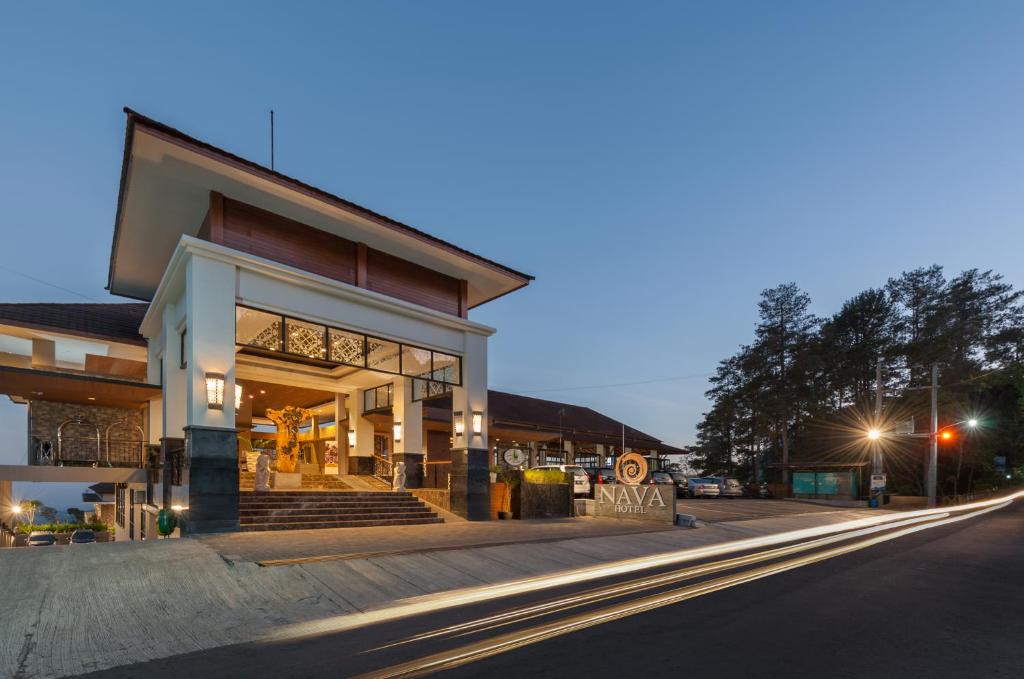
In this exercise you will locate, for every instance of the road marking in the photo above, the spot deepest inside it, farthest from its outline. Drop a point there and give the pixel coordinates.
(519, 638)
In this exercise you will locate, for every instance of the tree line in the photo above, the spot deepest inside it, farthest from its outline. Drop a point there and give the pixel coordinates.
(804, 388)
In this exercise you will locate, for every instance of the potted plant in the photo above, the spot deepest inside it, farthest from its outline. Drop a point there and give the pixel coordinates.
(510, 478)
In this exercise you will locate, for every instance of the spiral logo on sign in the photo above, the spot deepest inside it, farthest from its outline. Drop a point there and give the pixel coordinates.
(631, 469)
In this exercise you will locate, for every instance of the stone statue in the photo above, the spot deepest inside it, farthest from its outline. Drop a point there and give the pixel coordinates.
(263, 472)
(398, 483)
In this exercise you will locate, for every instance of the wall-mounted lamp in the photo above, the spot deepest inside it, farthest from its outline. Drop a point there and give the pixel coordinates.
(238, 396)
(397, 430)
(478, 422)
(215, 391)
(351, 438)
(459, 420)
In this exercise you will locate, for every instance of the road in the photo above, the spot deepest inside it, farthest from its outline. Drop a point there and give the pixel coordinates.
(943, 600)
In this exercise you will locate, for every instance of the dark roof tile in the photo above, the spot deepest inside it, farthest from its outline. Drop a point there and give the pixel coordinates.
(114, 321)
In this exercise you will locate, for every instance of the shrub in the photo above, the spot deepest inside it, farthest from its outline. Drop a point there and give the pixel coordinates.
(545, 476)
(25, 529)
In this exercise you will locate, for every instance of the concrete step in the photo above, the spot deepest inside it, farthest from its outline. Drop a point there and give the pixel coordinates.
(297, 509)
(319, 494)
(339, 511)
(353, 523)
(334, 518)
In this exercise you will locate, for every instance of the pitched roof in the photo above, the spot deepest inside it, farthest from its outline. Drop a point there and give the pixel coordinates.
(113, 321)
(137, 119)
(525, 412)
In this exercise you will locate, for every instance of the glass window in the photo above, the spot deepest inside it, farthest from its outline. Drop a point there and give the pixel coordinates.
(415, 361)
(347, 347)
(258, 329)
(447, 368)
(382, 355)
(304, 339)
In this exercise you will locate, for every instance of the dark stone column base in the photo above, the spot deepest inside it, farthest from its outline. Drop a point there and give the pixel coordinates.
(360, 465)
(413, 468)
(213, 480)
(471, 484)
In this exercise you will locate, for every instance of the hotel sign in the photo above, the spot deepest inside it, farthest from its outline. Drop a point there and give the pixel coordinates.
(644, 502)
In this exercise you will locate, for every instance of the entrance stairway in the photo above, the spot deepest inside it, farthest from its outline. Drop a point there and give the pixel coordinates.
(300, 510)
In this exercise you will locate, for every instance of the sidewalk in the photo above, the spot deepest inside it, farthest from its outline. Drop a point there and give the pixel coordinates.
(72, 610)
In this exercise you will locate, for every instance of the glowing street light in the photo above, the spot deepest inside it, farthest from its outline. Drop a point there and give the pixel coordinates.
(972, 423)
(874, 434)
(16, 509)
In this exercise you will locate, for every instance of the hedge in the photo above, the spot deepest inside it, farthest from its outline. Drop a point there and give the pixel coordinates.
(61, 527)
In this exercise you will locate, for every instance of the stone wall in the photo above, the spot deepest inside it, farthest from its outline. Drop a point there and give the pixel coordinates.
(45, 417)
(434, 496)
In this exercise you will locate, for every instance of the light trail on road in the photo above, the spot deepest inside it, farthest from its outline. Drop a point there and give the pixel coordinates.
(471, 595)
(524, 637)
(643, 584)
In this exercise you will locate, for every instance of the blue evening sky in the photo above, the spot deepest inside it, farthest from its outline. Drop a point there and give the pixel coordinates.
(654, 165)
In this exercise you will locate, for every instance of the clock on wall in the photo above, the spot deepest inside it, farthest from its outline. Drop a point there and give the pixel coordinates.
(515, 457)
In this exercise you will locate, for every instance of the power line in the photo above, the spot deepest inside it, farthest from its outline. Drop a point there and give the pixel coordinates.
(52, 285)
(612, 385)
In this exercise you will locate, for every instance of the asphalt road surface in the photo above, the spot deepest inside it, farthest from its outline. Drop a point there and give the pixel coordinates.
(931, 598)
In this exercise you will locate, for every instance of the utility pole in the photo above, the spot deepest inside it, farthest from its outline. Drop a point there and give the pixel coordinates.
(933, 454)
(876, 457)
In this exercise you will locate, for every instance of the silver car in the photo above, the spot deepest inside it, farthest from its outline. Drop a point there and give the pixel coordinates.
(727, 487)
(702, 488)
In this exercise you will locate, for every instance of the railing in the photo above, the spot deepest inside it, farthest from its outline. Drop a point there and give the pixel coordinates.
(91, 452)
(383, 469)
(378, 398)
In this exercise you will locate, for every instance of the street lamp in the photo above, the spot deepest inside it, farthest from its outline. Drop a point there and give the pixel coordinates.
(972, 423)
(874, 434)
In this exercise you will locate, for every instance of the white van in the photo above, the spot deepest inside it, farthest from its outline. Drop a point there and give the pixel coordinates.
(580, 480)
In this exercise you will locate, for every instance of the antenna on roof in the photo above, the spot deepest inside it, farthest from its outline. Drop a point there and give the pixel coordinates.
(271, 139)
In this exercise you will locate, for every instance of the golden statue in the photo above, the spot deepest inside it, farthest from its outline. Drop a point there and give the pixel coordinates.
(288, 420)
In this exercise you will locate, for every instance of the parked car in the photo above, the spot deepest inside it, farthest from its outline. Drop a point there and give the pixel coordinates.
(580, 480)
(727, 487)
(702, 488)
(660, 478)
(41, 538)
(83, 536)
(604, 475)
(758, 490)
(679, 478)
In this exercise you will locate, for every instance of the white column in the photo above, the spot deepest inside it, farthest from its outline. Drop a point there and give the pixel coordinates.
(174, 383)
(210, 342)
(570, 452)
(340, 436)
(599, 448)
(364, 435)
(470, 487)
(410, 414)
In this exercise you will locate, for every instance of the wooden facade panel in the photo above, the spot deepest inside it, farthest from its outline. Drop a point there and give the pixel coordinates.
(283, 240)
(390, 275)
(265, 234)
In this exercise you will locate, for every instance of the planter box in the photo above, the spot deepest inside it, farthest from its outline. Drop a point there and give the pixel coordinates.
(544, 501)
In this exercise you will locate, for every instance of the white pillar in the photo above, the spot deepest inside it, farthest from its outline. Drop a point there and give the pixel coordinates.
(210, 339)
(409, 448)
(570, 452)
(360, 456)
(210, 436)
(470, 487)
(599, 449)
